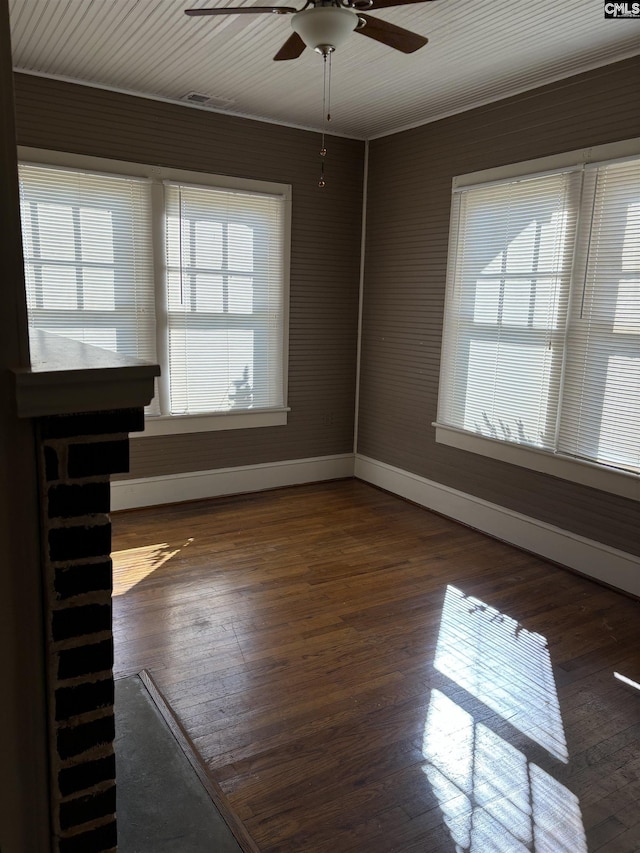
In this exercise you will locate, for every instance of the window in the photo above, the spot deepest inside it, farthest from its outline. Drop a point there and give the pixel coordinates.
(180, 268)
(88, 265)
(541, 348)
(224, 276)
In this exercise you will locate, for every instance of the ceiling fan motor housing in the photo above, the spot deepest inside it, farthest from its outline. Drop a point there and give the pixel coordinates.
(324, 27)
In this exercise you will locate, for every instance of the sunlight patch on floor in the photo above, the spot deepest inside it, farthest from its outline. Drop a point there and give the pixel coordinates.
(135, 564)
(493, 798)
(627, 681)
(503, 665)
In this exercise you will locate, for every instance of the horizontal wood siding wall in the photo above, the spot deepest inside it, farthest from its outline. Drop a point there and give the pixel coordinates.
(409, 192)
(325, 252)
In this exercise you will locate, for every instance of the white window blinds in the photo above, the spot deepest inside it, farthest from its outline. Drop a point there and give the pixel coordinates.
(600, 417)
(192, 276)
(541, 343)
(224, 252)
(88, 257)
(508, 294)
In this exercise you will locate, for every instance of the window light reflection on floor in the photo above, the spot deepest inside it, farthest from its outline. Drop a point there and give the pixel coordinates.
(503, 665)
(493, 798)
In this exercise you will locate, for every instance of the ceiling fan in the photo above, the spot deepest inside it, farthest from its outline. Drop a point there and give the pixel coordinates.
(324, 25)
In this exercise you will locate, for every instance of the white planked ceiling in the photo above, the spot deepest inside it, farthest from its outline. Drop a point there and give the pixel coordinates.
(478, 51)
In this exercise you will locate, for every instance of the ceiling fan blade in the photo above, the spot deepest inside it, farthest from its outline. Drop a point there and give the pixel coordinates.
(391, 35)
(384, 4)
(242, 10)
(291, 49)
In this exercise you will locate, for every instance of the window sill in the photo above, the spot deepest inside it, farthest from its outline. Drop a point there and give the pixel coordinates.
(182, 424)
(576, 470)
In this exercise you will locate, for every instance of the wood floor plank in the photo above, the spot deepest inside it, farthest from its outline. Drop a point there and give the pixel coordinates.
(362, 676)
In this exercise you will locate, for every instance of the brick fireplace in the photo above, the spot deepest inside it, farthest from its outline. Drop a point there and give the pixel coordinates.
(84, 403)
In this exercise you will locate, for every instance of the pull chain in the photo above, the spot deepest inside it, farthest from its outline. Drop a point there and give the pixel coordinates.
(326, 112)
(329, 89)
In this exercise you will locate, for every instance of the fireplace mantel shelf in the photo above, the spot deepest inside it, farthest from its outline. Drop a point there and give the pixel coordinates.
(67, 376)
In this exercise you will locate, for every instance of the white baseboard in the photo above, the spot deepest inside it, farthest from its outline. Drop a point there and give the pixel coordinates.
(194, 485)
(587, 556)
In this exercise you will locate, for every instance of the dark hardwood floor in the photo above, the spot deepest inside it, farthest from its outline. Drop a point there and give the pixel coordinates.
(361, 675)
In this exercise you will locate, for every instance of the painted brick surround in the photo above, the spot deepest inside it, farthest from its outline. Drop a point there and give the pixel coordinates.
(77, 453)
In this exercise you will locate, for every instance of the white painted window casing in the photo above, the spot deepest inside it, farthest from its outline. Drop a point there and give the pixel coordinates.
(541, 346)
(182, 268)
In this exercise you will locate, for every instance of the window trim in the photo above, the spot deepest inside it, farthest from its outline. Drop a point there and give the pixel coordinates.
(180, 424)
(158, 176)
(592, 474)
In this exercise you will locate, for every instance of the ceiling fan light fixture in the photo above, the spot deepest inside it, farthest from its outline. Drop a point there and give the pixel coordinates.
(324, 27)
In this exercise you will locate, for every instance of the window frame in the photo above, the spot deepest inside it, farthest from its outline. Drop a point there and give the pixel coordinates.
(584, 472)
(168, 424)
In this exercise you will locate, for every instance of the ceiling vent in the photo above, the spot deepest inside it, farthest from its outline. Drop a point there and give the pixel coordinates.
(207, 100)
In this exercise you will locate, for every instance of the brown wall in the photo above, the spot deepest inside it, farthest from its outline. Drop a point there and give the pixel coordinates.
(407, 231)
(409, 192)
(325, 252)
